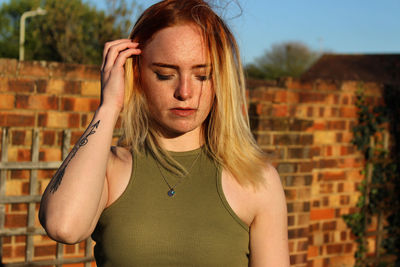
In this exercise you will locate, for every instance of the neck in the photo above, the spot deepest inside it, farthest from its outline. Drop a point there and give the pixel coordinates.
(184, 142)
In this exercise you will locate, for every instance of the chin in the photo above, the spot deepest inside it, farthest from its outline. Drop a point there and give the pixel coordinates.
(177, 130)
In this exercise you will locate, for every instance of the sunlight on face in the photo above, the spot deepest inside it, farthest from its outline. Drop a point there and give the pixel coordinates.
(176, 79)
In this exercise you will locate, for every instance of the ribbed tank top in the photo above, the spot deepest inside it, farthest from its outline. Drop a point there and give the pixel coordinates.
(195, 227)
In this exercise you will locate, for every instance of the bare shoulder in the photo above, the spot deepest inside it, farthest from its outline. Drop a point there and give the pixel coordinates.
(271, 190)
(268, 232)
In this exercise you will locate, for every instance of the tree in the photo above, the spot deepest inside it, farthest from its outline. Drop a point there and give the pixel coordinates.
(71, 31)
(289, 59)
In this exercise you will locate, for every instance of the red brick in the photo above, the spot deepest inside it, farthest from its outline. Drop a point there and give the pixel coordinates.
(37, 102)
(291, 220)
(280, 97)
(75, 71)
(347, 150)
(18, 207)
(328, 163)
(336, 125)
(298, 259)
(348, 247)
(260, 95)
(45, 174)
(326, 188)
(299, 153)
(73, 87)
(70, 249)
(42, 119)
(334, 249)
(311, 97)
(344, 200)
(292, 97)
(317, 126)
(18, 137)
(8, 66)
(15, 220)
(33, 68)
(14, 119)
(47, 250)
(350, 163)
(7, 252)
(335, 112)
(312, 251)
(84, 120)
(297, 84)
(260, 109)
(20, 238)
(333, 176)
(348, 112)
(298, 233)
(23, 154)
(7, 101)
(19, 251)
(322, 214)
(329, 226)
(21, 85)
(49, 154)
(291, 246)
(41, 86)
(4, 84)
(302, 246)
(79, 104)
(310, 111)
(48, 138)
(73, 121)
(306, 167)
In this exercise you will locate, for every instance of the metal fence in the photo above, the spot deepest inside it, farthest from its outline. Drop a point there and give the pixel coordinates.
(32, 199)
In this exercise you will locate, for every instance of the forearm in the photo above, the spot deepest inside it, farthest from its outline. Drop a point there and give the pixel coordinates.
(72, 199)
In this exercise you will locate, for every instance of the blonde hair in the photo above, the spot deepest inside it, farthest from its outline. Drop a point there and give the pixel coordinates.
(226, 130)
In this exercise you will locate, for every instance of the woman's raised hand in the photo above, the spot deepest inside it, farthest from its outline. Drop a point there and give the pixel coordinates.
(115, 55)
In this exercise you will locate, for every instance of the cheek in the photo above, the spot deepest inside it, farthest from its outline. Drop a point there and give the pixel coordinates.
(209, 99)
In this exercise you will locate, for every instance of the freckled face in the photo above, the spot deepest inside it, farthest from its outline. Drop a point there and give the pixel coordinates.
(176, 79)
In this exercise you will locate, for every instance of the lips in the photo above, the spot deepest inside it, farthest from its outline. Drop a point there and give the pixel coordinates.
(183, 112)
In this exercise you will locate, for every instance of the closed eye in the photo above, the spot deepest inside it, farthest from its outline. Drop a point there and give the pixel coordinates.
(203, 78)
(162, 77)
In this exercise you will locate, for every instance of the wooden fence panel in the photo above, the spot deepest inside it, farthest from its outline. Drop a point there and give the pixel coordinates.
(30, 231)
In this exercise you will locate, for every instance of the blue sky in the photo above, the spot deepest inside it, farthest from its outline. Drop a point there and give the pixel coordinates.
(339, 26)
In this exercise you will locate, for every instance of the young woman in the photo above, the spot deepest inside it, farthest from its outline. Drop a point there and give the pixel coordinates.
(187, 185)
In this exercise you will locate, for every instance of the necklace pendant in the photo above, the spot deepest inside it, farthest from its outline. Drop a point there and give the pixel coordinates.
(171, 192)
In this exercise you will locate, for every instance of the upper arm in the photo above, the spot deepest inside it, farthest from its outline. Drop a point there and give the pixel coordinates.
(268, 231)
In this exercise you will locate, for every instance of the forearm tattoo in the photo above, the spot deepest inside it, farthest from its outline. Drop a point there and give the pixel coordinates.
(56, 181)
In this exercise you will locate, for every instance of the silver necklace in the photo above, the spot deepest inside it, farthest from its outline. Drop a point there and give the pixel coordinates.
(171, 192)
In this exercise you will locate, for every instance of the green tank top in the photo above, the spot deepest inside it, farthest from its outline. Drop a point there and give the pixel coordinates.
(195, 227)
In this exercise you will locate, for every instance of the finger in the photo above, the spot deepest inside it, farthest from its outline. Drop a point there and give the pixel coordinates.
(124, 55)
(114, 51)
(108, 45)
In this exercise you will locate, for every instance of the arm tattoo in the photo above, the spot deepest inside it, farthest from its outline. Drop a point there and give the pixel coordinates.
(55, 183)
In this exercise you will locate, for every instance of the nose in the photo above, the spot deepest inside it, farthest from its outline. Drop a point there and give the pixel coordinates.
(183, 90)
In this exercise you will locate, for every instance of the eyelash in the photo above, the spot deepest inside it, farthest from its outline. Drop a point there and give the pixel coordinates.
(161, 77)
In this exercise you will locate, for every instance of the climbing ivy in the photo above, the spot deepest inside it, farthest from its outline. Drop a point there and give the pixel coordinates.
(382, 191)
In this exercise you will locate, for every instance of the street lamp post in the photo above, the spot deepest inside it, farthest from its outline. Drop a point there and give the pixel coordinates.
(24, 16)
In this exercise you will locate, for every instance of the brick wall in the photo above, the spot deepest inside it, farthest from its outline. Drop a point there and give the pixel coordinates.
(305, 127)
(52, 97)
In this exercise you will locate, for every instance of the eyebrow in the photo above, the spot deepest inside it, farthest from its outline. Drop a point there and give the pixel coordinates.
(169, 66)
